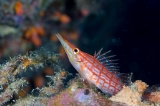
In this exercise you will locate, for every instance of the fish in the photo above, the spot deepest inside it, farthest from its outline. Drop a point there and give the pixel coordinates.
(97, 70)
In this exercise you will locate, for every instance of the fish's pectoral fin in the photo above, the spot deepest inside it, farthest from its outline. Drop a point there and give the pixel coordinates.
(89, 85)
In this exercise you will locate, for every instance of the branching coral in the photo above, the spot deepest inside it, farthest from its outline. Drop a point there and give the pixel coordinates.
(19, 64)
(12, 88)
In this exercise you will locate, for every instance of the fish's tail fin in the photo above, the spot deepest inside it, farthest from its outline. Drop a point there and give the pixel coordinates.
(126, 78)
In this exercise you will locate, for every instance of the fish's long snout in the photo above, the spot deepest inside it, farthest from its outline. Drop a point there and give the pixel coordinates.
(66, 45)
(62, 40)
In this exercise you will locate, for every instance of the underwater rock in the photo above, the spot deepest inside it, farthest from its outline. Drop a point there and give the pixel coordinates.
(152, 96)
(78, 95)
(131, 95)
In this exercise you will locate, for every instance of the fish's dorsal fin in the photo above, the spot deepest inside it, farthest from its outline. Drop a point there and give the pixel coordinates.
(109, 63)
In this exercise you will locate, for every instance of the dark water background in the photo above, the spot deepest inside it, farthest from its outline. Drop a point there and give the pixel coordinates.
(130, 28)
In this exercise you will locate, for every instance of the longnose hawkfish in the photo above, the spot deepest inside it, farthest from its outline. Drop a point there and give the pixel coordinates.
(97, 69)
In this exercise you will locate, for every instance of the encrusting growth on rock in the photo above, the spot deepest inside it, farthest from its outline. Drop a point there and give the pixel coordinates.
(75, 93)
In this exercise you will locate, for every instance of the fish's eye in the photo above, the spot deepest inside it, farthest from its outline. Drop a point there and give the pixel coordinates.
(75, 50)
